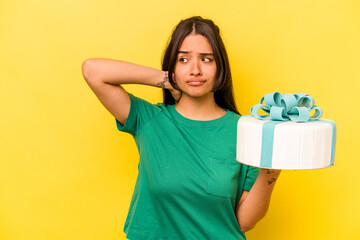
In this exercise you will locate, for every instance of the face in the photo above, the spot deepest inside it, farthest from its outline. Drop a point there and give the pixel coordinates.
(195, 68)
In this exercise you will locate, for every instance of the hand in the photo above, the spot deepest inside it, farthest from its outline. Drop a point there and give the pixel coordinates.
(176, 94)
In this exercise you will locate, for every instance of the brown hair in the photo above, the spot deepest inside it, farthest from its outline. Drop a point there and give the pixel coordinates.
(223, 89)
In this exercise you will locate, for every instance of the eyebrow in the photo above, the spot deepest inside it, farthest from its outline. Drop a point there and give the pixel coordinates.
(187, 52)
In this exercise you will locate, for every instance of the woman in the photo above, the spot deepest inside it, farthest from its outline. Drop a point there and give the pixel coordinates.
(189, 184)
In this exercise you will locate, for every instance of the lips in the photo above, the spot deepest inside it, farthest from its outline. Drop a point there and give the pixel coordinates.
(195, 82)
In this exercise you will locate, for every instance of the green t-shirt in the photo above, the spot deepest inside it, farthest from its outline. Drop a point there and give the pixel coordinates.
(189, 182)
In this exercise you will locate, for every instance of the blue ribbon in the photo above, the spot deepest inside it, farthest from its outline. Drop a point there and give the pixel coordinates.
(267, 144)
(294, 107)
(333, 146)
(285, 107)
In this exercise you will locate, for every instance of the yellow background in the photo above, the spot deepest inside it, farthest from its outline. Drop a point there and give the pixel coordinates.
(67, 173)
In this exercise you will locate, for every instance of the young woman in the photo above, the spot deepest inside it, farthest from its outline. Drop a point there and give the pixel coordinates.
(189, 184)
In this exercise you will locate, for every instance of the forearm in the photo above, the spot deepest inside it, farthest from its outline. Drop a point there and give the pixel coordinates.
(118, 72)
(257, 201)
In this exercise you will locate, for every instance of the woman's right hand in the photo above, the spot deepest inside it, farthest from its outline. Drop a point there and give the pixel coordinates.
(176, 94)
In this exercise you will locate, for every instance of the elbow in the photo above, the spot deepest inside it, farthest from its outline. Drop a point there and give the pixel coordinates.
(87, 68)
(245, 225)
(245, 228)
(248, 222)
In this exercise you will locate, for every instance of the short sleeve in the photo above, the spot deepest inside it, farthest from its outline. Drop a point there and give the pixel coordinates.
(251, 176)
(141, 111)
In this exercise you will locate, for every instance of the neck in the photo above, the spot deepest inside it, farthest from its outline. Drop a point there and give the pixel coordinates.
(202, 109)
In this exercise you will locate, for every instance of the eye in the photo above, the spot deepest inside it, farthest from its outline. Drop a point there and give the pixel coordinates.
(206, 59)
(183, 59)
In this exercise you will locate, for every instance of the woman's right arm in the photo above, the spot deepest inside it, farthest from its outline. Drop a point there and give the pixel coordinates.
(105, 76)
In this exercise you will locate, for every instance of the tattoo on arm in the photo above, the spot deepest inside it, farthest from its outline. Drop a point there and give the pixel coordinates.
(271, 181)
(162, 83)
(269, 171)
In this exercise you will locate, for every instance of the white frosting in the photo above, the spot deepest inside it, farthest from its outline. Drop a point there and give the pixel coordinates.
(295, 146)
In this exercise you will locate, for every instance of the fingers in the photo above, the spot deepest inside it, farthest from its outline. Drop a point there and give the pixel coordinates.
(176, 94)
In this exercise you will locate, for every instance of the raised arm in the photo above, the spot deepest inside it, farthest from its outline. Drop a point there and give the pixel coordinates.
(105, 76)
(254, 204)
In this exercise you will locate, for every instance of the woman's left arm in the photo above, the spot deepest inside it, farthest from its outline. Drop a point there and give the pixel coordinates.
(254, 204)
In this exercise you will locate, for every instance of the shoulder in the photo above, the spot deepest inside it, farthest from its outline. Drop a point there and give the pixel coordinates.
(163, 107)
(144, 104)
(233, 116)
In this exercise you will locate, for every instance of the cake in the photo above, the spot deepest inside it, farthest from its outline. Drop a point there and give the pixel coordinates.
(286, 137)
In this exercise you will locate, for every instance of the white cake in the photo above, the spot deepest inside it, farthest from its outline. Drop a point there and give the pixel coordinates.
(286, 144)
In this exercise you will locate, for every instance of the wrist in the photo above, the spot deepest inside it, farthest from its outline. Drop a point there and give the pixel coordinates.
(164, 82)
(270, 171)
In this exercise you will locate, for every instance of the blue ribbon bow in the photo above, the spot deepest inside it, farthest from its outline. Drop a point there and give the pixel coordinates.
(294, 107)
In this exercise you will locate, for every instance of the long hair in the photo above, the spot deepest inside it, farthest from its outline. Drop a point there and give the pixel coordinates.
(223, 89)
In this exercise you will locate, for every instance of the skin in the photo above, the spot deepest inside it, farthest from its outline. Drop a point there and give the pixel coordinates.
(254, 204)
(194, 73)
(195, 68)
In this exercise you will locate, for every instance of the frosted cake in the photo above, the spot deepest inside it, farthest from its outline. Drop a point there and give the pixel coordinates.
(286, 136)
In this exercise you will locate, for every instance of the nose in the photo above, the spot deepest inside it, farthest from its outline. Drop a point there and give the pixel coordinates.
(195, 68)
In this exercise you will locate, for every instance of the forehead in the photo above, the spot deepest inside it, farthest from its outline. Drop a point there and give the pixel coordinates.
(196, 43)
